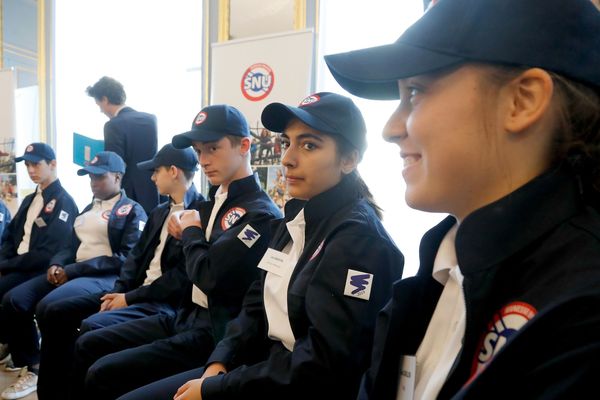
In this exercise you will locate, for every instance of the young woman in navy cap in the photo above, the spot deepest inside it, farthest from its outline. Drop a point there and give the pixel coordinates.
(307, 325)
(499, 126)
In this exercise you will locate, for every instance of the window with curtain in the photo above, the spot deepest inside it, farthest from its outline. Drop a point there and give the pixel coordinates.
(346, 25)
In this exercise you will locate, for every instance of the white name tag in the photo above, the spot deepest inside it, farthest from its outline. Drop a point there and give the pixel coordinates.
(274, 261)
(40, 222)
(406, 387)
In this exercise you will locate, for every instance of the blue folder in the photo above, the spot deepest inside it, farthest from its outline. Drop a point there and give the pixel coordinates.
(85, 148)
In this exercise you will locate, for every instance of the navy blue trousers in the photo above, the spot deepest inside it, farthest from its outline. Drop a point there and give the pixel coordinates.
(23, 302)
(60, 325)
(163, 389)
(112, 361)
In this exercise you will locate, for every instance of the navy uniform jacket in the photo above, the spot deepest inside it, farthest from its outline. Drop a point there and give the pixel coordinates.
(58, 214)
(333, 331)
(125, 225)
(225, 266)
(133, 135)
(4, 221)
(531, 256)
(168, 287)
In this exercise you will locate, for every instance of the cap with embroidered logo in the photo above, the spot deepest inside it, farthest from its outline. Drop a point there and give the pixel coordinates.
(562, 36)
(213, 123)
(36, 152)
(325, 112)
(103, 162)
(185, 159)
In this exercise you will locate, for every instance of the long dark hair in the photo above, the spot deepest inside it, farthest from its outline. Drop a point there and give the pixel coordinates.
(344, 148)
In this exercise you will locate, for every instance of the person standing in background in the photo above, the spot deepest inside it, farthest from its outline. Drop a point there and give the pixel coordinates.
(132, 135)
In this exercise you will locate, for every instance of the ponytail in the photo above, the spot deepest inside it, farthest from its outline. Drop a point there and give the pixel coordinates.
(364, 192)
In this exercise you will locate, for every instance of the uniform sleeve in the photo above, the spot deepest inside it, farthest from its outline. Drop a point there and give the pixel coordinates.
(336, 349)
(226, 265)
(104, 265)
(114, 140)
(129, 270)
(245, 335)
(164, 289)
(57, 235)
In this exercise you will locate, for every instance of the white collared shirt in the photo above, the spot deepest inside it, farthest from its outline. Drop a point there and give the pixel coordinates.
(154, 270)
(276, 286)
(443, 339)
(35, 208)
(198, 296)
(91, 229)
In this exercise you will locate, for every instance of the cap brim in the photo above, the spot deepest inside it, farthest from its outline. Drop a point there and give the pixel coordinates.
(90, 169)
(373, 73)
(184, 140)
(149, 165)
(276, 116)
(29, 157)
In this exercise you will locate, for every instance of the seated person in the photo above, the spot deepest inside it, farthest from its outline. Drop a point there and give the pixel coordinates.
(150, 282)
(222, 243)
(5, 218)
(105, 232)
(43, 224)
(306, 327)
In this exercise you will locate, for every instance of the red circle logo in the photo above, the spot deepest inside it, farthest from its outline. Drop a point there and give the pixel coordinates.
(309, 100)
(200, 118)
(257, 82)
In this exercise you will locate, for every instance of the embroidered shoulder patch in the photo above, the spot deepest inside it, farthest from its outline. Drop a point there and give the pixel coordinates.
(358, 284)
(249, 236)
(506, 322)
(231, 217)
(50, 206)
(63, 216)
(124, 210)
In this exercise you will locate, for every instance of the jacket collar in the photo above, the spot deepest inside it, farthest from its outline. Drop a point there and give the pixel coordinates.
(496, 231)
(323, 205)
(51, 191)
(191, 195)
(238, 187)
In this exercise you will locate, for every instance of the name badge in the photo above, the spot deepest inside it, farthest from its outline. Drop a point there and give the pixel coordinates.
(408, 369)
(274, 261)
(40, 222)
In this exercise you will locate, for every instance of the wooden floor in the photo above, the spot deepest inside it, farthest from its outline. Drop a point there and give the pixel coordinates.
(6, 378)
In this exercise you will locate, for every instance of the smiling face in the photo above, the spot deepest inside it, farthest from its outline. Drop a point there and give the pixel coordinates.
(311, 161)
(446, 131)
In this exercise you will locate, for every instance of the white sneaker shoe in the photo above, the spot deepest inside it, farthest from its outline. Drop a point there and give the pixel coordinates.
(25, 384)
(4, 353)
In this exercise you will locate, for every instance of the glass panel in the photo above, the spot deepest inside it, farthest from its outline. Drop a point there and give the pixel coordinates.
(352, 24)
(153, 47)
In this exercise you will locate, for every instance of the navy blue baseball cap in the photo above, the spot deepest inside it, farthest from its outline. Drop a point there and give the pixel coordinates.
(37, 152)
(213, 123)
(103, 162)
(185, 159)
(562, 36)
(325, 112)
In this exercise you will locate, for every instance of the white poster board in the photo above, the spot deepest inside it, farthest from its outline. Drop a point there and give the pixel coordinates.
(254, 72)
